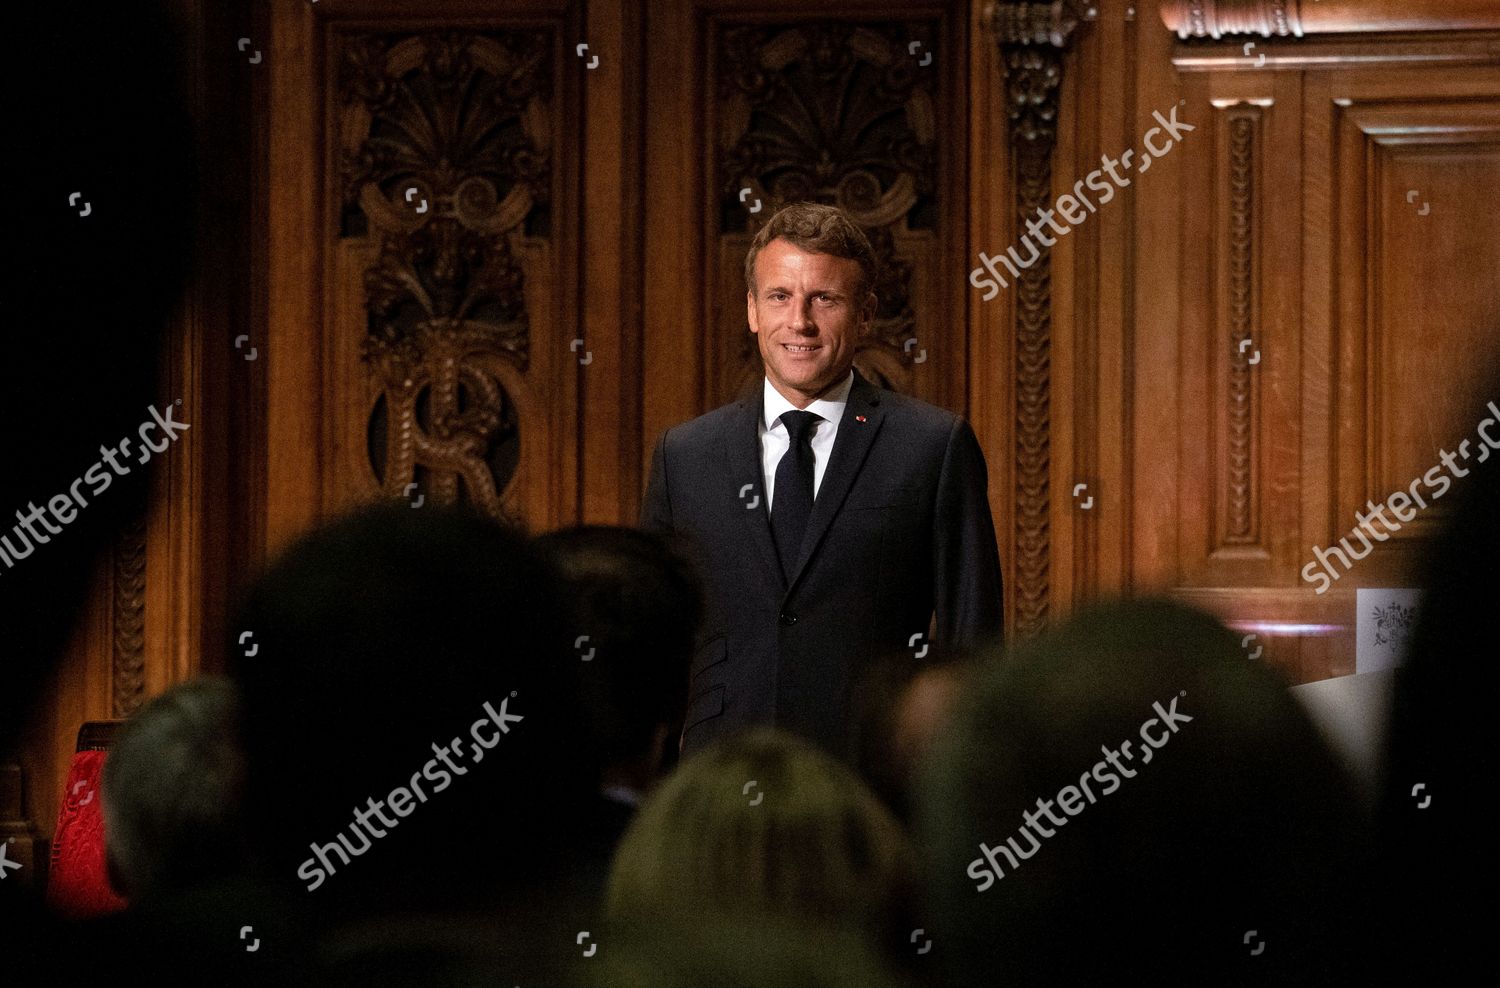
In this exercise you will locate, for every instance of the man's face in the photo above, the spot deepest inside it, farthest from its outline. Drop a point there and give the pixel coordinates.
(806, 314)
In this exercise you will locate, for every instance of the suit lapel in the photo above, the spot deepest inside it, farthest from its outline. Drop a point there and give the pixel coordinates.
(850, 447)
(742, 459)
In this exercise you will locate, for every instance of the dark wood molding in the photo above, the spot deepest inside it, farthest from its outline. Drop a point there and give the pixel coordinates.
(1240, 481)
(1355, 51)
(1297, 18)
(446, 295)
(128, 624)
(1033, 38)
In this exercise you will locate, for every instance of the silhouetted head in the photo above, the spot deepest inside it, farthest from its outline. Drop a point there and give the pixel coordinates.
(742, 953)
(902, 707)
(763, 825)
(1225, 815)
(172, 792)
(414, 658)
(633, 606)
(1437, 840)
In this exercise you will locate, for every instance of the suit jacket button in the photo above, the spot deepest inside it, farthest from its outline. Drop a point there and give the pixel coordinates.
(788, 618)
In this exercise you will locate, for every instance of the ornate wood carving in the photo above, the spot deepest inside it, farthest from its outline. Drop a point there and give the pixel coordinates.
(1032, 39)
(1280, 18)
(445, 156)
(129, 618)
(1216, 18)
(838, 113)
(1241, 482)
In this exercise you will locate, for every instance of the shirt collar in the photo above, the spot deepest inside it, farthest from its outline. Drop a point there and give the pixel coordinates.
(830, 406)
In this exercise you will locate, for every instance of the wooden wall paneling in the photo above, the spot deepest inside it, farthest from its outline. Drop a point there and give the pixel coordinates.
(441, 353)
(1343, 53)
(1106, 70)
(1240, 330)
(1371, 290)
(172, 592)
(1157, 201)
(1322, 252)
(1241, 421)
(1033, 42)
(1299, 634)
(1073, 355)
(612, 387)
(293, 352)
(478, 391)
(677, 309)
(1215, 18)
(1410, 307)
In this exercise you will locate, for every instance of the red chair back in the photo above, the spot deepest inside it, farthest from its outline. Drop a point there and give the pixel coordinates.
(78, 878)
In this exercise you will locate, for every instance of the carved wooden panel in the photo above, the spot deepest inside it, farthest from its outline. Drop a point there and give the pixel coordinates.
(446, 165)
(1237, 473)
(1032, 40)
(1300, 232)
(843, 113)
(128, 619)
(1241, 332)
(1419, 221)
(1216, 18)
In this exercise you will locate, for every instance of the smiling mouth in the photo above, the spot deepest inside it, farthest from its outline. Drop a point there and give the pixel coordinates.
(799, 348)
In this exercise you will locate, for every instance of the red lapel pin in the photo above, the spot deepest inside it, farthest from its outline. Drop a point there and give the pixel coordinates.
(859, 418)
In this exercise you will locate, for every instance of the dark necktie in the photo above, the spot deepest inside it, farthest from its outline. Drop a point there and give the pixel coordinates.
(794, 489)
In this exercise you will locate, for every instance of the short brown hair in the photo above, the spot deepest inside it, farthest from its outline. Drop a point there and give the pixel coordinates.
(817, 229)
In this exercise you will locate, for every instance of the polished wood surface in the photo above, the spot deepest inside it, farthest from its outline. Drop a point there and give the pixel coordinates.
(1221, 18)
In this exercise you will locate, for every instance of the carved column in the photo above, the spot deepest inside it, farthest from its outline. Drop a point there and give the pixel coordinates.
(1033, 38)
(128, 688)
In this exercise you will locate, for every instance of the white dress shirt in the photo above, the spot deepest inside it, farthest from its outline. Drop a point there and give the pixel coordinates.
(774, 439)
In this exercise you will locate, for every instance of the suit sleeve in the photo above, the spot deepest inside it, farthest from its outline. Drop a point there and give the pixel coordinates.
(656, 510)
(968, 596)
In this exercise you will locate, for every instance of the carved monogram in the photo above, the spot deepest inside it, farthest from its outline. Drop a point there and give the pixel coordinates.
(445, 161)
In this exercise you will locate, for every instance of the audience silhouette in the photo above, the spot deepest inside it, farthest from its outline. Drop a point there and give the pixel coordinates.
(417, 744)
(1438, 858)
(1202, 833)
(765, 826)
(632, 610)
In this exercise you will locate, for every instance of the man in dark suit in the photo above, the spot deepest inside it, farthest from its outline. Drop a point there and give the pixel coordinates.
(830, 519)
